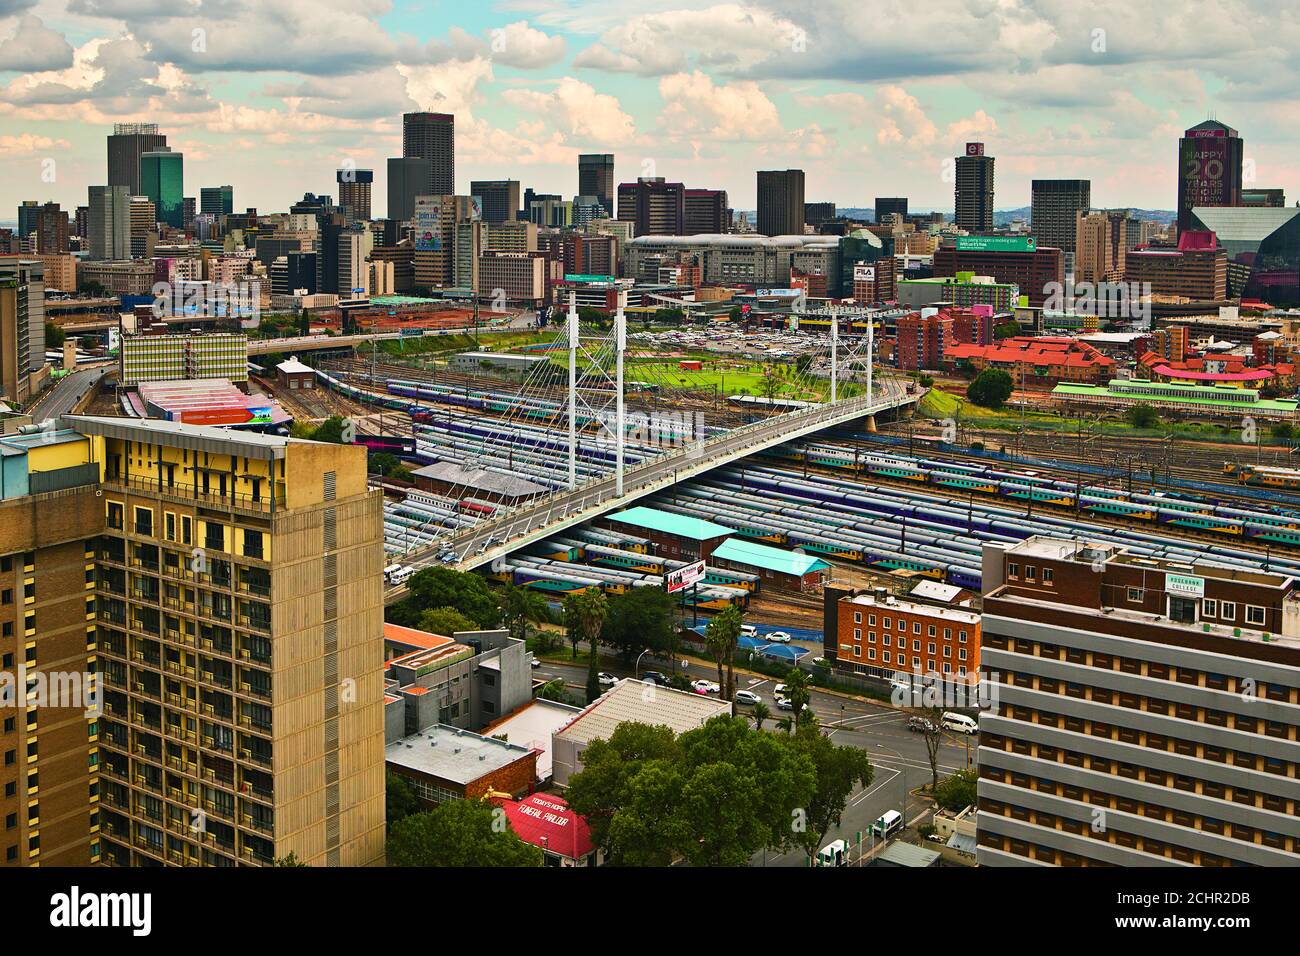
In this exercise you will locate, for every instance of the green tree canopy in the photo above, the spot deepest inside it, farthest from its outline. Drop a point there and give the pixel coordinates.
(840, 771)
(721, 636)
(990, 389)
(440, 587)
(400, 800)
(641, 618)
(446, 621)
(459, 833)
(957, 792)
(1142, 416)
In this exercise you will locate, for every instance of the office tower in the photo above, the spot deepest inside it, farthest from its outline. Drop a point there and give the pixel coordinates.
(432, 136)
(51, 229)
(499, 198)
(237, 609)
(144, 227)
(408, 178)
(587, 209)
(330, 231)
(974, 190)
(596, 178)
(818, 213)
(1055, 205)
(108, 222)
(162, 179)
(1197, 269)
(653, 206)
(890, 205)
(1011, 260)
(22, 325)
(1147, 710)
(1099, 248)
(780, 202)
(189, 209)
(354, 193)
(217, 200)
(293, 272)
(470, 239)
(312, 205)
(354, 247)
(81, 222)
(442, 252)
(28, 217)
(1209, 169)
(552, 212)
(129, 142)
(705, 211)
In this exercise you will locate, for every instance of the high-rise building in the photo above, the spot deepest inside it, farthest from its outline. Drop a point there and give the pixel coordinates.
(1146, 710)
(22, 325)
(705, 211)
(217, 200)
(1054, 206)
(29, 213)
(162, 179)
(654, 206)
(445, 255)
(408, 179)
(354, 192)
(108, 222)
(890, 205)
(51, 229)
(818, 213)
(974, 190)
(1015, 260)
(1099, 248)
(780, 202)
(1209, 169)
(596, 178)
(126, 145)
(144, 227)
(189, 210)
(499, 198)
(432, 136)
(1196, 270)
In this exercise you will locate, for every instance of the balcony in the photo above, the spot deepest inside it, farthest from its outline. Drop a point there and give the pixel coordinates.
(152, 488)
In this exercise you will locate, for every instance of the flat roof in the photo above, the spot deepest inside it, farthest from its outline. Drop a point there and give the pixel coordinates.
(769, 559)
(899, 853)
(895, 604)
(414, 638)
(633, 700)
(452, 754)
(223, 441)
(683, 526)
(532, 726)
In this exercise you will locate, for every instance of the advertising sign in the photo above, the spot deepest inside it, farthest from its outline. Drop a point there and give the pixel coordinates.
(475, 208)
(428, 234)
(1185, 584)
(864, 273)
(996, 244)
(683, 578)
(1203, 166)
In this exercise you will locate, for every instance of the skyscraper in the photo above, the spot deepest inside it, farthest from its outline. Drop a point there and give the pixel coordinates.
(51, 229)
(354, 192)
(654, 206)
(28, 217)
(217, 200)
(408, 177)
(1054, 206)
(500, 198)
(596, 178)
(780, 202)
(22, 325)
(887, 205)
(705, 211)
(1209, 169)
(432, 136)
(162, 179)
(973, 201)
(126, 145)
(108, 222)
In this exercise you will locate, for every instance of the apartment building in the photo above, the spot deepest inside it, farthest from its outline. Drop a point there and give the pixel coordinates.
(877, 633)
(1148, 711)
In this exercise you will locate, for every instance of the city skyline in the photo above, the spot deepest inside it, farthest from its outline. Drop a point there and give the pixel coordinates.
(867, 102)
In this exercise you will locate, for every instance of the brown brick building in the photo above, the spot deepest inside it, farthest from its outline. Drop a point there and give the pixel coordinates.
(448, 763)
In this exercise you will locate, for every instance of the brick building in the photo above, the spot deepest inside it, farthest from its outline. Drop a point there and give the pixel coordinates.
(877, 633)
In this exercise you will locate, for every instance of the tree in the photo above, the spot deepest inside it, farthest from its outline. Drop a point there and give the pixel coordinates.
(957, 792)
(1142, 416)
(459, 833)
(446, 621)
(798, 688)
(990, 389)
(520, 607)
(290, 860)
(383, 463)
(439, 587)
(585, 612)
(932, 733)
(400, 800)
(1006, 330)
(759, 713)
(330, 430)
(839, 770)
(641, 618)
(54, 336)
(721, 637)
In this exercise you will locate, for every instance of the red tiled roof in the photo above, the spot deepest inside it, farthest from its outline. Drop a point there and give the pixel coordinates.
(413, 637)
(1047, 350)
(546, 821)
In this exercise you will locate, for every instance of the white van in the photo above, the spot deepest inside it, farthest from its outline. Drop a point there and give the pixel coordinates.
(890, 822)
(396, 574)
(748, 630)
(833, 854)
(960, 723)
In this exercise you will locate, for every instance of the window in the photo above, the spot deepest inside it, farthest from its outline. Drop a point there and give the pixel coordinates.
(253, 546)
(1227, 611)
(887, 623)
(1135, 595)
(857, 650)
(871, 620)
(7, 596)
(871, 637)
(1209, 608)
(930, 648)
(1013, 570)
(857, 633)
(1047, 575)
(961, 636)
(916, 627)
(857, 617)
(1031, 572)
(930, 631)
(1256, 615)
(144, 521)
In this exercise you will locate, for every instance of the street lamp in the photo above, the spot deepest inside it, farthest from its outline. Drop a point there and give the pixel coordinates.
(637, 672)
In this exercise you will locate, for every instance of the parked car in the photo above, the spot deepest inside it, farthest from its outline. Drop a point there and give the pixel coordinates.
(960, 723)
(920, 724)
(606, 680)
(780, 690)
(655, 678)
(747, 697)
(779, 637)
(534, 663)
(706, 686)
(748, 630)
(784, 703)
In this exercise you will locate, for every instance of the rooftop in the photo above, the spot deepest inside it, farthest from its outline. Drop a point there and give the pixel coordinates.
(770, 559)
(452, 754)
(179, 435)
(532, 726)
(696, 529)
(892, 603)
(413, 637)
(642, 702)
(479, 479)
(545, 820)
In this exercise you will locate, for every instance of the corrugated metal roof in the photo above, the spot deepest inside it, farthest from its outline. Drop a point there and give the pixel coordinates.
(769, 559)
(899, 853)
(697, 529)
(645, 703)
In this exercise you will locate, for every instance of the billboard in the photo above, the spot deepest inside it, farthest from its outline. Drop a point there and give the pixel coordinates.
(428, 232)
(475, 208)
(864, 273)
(1205, 173)
(392, 444)
(996, 244)
(683, 578)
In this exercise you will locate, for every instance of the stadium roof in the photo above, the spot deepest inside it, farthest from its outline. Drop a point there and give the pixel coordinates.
(697, 529)
(769, 559)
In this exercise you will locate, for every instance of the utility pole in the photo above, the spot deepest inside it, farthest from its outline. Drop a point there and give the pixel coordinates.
(620, 344)
(835, 341)
(571, 328)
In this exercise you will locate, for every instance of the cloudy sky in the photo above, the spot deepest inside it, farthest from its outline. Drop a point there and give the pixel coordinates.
(869, 98)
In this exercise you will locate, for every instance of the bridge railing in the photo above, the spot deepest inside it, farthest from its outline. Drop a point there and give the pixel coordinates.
(558, 505)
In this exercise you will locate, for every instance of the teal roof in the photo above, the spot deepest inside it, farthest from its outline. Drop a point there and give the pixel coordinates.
(697, 529)
(769, 559)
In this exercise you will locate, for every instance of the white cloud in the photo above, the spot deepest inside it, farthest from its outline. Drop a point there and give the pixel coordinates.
(34, 48)
(696, 106)
(517, 44)
(579, 111)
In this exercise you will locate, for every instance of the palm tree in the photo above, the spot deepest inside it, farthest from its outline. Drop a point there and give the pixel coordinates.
(586, 611)
(759, 713)
(799, 689)
(721, 636)
(786, 724)
(521, 607)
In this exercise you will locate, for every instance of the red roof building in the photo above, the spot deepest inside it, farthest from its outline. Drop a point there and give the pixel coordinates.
(545, 821)
(1036, 362)
(1217, 370)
